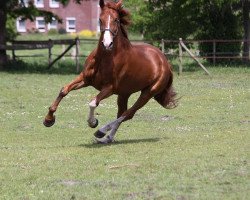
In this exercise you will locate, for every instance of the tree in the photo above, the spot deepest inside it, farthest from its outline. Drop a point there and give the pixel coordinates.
(140, 15)
(246, 25)
(200, 19)
(16, 8)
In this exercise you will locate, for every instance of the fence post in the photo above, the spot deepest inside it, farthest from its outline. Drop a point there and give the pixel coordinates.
(192, 56)
(214, 52)
(13, 55)
(77, 54)
(180, 56)
(63, 49)
(50, 51)
(163, 46)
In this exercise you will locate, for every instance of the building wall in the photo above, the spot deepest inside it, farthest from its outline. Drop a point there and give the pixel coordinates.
(85, 14)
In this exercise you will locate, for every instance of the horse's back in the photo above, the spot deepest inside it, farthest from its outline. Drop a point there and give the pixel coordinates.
(149, 52)
(148, 57)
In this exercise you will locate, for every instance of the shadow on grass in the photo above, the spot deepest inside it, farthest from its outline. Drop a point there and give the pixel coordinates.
(190, 65)
(68, 66)
(122, 142)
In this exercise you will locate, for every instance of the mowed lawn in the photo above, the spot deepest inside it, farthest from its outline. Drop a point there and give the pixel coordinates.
(199, 150)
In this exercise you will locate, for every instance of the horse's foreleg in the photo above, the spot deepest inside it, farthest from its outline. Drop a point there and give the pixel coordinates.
(104, 93)
(74, 85)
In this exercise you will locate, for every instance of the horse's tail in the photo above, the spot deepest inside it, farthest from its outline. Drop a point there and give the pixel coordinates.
(167, 98)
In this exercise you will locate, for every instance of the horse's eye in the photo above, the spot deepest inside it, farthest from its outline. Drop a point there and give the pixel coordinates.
(117, 20)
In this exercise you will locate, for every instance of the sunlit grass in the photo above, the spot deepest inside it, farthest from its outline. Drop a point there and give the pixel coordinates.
(200, 150)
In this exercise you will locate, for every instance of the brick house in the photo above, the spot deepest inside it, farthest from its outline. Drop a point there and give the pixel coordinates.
(75, 17)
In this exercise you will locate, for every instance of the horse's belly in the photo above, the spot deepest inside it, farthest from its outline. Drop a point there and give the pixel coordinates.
(131, 84)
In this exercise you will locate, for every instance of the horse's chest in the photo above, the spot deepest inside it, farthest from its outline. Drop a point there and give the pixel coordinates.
(101, 79)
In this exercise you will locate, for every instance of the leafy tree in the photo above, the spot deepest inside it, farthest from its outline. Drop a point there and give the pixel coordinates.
(199, 19)
(245, 4)
(140, 15)
(11, 9)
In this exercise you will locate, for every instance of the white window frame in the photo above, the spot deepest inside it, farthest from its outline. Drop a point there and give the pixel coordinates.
(40, 29)
(39, 4)
(51, 26)
(54, 4)
(19, 28)
(26, 3)
(68, 29)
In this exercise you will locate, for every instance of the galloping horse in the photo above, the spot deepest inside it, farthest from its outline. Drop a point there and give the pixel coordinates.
(118, 67)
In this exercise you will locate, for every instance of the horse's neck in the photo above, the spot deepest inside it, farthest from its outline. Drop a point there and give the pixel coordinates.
(123, 44)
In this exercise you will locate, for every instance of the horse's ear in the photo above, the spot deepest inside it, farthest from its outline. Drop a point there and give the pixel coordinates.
(119, 4)
(101, 3)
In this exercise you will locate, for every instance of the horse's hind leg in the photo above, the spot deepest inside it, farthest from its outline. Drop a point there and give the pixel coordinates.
(122, 102)
(145, 96)
(77, 83)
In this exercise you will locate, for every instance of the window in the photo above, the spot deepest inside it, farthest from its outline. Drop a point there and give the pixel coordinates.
(24, 3)
(53, 3)
(53, 24)
(39, 3)
(71, 24)
(21, 25)
(40, 24)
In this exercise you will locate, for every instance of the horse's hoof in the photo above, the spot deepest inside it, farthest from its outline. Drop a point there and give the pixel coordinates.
(94, 125)
(99, 134)
(106, 140)
(49, 123)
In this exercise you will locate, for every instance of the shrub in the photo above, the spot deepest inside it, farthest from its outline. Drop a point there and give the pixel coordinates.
(11, 29)
(85, 33)
(62, 31)
(52, 32)
(33, 30)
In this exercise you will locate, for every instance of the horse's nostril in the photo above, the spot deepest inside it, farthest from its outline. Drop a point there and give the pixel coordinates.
(111, 44)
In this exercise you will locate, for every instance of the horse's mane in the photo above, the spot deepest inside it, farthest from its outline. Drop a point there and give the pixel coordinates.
(124, 16)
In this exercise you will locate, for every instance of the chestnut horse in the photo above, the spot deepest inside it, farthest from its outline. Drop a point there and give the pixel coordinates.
(118, 67)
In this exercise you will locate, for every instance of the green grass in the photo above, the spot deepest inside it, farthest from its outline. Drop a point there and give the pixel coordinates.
(200, 150)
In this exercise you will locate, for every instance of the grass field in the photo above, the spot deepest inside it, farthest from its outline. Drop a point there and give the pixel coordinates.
(200, 150)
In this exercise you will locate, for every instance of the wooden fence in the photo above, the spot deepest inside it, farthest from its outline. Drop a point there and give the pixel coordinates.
(45, 44)
(176, 48)
(214, 54)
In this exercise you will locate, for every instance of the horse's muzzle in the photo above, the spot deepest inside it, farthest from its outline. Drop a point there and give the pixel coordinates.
(108, 47)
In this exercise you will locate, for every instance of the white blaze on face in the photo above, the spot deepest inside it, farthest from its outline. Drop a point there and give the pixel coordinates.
(107, 38)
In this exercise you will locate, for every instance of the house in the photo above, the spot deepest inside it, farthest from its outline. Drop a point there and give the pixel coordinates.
(76, 17)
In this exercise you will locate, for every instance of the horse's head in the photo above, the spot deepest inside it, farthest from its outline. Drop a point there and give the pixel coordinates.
(109, 22)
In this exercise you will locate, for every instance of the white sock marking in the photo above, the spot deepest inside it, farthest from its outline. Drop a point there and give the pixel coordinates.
(92, 107)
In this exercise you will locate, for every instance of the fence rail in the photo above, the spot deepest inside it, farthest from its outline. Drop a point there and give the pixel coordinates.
(214, 54)
(169, 47)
